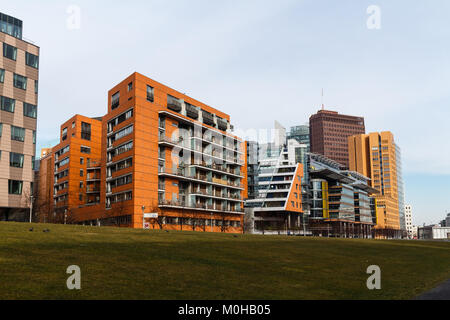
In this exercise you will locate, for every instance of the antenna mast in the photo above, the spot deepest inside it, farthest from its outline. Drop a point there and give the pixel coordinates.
(323, 105)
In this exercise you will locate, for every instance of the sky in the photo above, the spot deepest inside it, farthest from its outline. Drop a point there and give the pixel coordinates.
(261, 61)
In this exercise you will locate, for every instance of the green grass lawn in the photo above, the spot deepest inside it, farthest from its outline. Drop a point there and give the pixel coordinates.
(137, 264)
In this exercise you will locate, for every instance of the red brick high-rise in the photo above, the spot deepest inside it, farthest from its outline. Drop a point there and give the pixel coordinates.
(329, 132)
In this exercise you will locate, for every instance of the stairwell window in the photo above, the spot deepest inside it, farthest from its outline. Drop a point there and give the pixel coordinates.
(20, 81)
(150, 96)
(9, 52)
(85, 131)
(115, 100)
(64, 134)
(29, 110)
(15, 187)
(2, 75)
(7, 104)
(17, 134)
(31, 60)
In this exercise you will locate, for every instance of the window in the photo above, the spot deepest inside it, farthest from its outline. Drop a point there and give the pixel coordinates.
(64, 134)
(1, 129)
(16, 160)
(81, 184)
(15, 187)
(81, 197)
(63, 162)
(130, 86)
(85, 150)
(115, 100)
(150, 96)
(31, 60)
(36, 86)
(73, 124)
(11, 26)
(2, 75)
(33, 163)
(20, 81)
(9, 52)
(17, 134)
(29, 110)
(81, 173)
(122, 133)
(85, 131)
(81, 160)
(124, 116)
(34, 136)
(7, 104)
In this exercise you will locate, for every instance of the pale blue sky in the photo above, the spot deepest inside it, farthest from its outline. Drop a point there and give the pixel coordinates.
(260, 61)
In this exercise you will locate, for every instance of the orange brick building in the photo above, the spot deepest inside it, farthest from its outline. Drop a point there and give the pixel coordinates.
(70, 173)
(162, 154)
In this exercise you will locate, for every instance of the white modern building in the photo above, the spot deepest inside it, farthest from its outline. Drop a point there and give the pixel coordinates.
(435, 232)
(409, 223)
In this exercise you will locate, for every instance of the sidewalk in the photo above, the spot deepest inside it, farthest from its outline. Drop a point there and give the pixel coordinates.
(442, 292)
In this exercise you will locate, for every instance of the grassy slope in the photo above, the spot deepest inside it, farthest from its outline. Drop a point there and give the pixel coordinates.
(134, 264)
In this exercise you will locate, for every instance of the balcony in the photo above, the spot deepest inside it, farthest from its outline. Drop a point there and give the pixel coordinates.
(199, 207)
(93, 177)
(208, 118)
(92, 189)
(92, 165)
(173, 104)
(191, 111)
(181, 173)
(222, 124)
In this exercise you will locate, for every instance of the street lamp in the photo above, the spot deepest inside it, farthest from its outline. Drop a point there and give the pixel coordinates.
(31, 208)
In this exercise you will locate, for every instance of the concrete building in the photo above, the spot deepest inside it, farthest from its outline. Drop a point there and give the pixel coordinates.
(278, 208)
(329, 132)
(19, 76)
(302, 135)
(409, 221)
(376, 156)
(252, 169)
(339, 200)
(434, 232)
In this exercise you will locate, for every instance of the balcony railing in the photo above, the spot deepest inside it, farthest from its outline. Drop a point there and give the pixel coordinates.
(199, 206)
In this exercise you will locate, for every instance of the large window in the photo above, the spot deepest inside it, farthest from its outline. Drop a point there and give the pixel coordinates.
(2, 75)
(7, 104)
(15, 187)
(85, 150)
(20, 81)
(124, 132)
(29, 110)
(85, 131)
(115, 100)
(16, 160)
(116, 121)
(150, 94)
(17, 134)
(11, 26)
(31, 60)
(9, 52)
